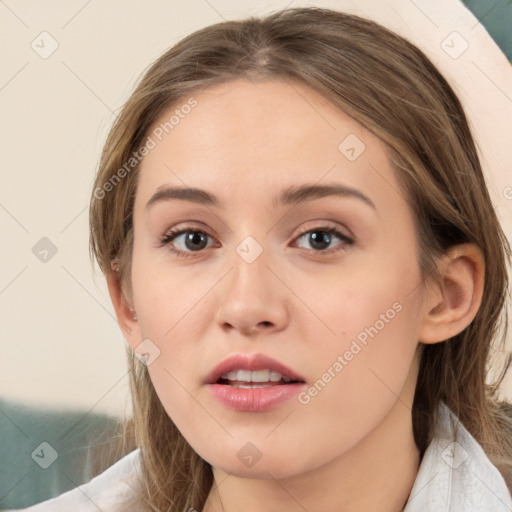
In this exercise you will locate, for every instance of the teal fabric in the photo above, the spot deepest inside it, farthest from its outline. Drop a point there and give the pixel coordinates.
(496, 17)
(75, 436)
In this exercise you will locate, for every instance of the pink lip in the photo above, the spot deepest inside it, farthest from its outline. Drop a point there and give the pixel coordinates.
(253, 399)
(250, 362)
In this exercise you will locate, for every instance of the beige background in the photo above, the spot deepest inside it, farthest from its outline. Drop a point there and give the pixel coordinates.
(61, 345)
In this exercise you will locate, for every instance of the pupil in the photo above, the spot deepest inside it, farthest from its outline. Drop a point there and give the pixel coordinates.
(194, 238)
(319, 237)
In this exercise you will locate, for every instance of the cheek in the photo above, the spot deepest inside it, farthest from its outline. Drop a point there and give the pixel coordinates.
(362, 371)
(371, 296)
(177, 396)
(167, 300)
(173, 310)
(369, 325)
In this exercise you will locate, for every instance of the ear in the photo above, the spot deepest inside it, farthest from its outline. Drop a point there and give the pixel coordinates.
(126, 316)
(452, 306)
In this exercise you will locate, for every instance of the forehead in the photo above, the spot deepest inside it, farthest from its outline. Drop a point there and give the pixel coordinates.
(242, 136)
(265, 107)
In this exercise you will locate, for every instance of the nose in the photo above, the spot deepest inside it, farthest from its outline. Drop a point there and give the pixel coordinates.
(252, 299)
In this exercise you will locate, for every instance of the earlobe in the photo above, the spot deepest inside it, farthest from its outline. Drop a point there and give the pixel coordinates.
(126, 316)
(451, 306)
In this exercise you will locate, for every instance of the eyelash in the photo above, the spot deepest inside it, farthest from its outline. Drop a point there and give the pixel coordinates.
(171, 235)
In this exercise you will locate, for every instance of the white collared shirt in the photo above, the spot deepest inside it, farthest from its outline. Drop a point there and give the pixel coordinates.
(455, 475)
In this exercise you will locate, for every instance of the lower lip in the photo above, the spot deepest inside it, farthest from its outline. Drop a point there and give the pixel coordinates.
(254, 399)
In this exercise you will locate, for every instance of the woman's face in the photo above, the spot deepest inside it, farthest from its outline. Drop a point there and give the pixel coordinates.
(265, 276)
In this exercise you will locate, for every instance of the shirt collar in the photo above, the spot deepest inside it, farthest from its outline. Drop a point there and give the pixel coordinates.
(455, 474)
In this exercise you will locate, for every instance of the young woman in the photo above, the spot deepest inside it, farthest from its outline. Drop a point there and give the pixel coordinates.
(306, 264)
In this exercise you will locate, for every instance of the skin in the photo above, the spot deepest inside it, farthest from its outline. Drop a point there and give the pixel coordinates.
(245, 142)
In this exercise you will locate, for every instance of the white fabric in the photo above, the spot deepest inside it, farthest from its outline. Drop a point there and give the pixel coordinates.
(455, 475)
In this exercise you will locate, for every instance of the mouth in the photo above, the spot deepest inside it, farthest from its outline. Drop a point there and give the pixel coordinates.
(252, 371)
(255, 383)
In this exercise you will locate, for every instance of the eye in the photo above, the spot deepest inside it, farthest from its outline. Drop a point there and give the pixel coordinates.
(322, 236)
(194, 241)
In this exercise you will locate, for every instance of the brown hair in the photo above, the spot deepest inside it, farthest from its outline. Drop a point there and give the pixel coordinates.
(389, 86)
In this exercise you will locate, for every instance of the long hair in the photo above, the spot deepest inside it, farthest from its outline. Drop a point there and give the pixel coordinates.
(390, 87)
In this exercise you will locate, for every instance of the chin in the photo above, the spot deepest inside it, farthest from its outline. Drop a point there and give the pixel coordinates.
(269, 466)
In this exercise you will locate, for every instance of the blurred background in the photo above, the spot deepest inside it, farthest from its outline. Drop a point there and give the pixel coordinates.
(496, 17)
(67, 68)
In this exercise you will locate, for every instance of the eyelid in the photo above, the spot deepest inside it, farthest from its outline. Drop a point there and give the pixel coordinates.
(326, 224)
(177, 230)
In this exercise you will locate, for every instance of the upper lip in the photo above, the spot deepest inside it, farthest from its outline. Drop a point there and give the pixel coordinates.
(251, 362)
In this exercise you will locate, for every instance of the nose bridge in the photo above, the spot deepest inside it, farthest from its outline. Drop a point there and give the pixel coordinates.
(251, 297)
(249, 278)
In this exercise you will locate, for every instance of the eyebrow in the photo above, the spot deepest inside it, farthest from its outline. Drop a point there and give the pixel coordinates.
(289, 196)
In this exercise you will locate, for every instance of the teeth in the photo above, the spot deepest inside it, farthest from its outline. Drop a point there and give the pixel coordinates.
(244, 375)
(275, 376)
(243, 386)
(256, 376)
